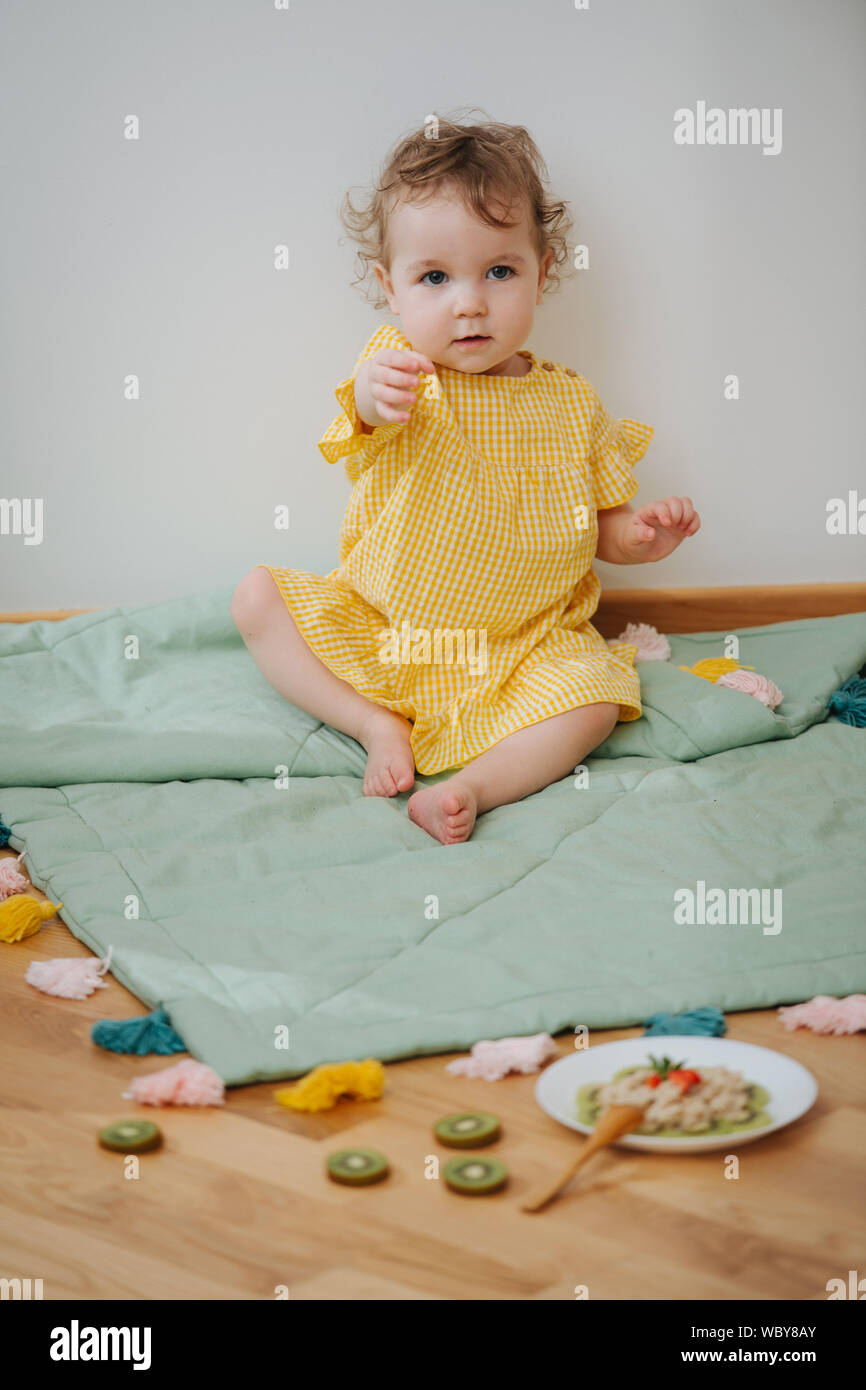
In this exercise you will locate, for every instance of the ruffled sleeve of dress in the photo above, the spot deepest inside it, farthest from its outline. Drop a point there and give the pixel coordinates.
(348, 437)
(615, 447)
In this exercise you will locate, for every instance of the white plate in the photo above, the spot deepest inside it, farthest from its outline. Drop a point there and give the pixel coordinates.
(791, 1087)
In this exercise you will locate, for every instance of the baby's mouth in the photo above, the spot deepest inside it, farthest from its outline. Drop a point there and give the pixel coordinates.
(474, 340)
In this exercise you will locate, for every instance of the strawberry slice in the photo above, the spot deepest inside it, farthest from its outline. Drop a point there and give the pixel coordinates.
(666, 1069)
(685, 1078)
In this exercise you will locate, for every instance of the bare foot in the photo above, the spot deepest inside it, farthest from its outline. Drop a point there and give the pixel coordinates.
(446, 811)
(390, 764)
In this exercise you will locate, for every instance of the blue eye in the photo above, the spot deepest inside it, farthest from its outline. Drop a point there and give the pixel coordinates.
(507, 268)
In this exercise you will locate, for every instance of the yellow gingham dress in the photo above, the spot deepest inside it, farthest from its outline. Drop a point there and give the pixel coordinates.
(475, 516)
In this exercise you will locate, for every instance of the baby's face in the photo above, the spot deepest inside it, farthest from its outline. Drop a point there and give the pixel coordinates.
(451, 276)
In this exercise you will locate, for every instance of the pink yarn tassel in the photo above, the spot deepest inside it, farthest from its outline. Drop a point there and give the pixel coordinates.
(186, 1083)
(69, 977)
(752, 683)
(826, 1015)
(490, 1061)
(11, 881)
(651, 644)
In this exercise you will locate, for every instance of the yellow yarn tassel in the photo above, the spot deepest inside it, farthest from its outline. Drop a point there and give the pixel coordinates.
(714, 666)
(321, 1088)
(21, 916)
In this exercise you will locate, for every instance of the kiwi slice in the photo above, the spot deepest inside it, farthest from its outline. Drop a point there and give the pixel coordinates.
(357, 1167)
(475, 1176)
(471, 1130)
(131, 1136)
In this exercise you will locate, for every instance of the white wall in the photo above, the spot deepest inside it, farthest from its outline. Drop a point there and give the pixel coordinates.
(155, 257)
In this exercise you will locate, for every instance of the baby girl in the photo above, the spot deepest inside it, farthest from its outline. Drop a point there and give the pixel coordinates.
(455, 633)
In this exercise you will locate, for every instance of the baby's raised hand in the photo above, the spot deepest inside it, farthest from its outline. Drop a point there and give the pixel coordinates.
(389, 380)
(654, 531)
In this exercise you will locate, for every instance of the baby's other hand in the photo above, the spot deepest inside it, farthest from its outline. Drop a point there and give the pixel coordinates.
(655, 530)
(393, 380)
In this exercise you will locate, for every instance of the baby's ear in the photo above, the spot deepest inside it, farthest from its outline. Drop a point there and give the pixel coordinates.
(385, 282)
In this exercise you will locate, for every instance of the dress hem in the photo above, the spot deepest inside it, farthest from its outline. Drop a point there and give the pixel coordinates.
(474, 748)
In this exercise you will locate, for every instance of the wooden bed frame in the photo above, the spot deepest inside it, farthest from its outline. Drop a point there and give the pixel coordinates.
(674, 610)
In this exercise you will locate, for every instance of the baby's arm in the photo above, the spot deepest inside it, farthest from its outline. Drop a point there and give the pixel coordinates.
(626, 537)
(386, 384)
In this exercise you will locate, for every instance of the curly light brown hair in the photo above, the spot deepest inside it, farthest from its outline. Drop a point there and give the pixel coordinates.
(487, 164)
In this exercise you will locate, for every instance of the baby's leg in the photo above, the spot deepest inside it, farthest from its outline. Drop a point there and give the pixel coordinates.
(518, 765)
(293, 669)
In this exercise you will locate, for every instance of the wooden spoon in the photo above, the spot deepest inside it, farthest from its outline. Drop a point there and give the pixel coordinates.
(616, 1121)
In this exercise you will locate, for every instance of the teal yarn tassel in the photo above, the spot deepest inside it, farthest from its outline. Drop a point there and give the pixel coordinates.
(849, 702)
(707, 1023)
(5, 834)
(153, 1033)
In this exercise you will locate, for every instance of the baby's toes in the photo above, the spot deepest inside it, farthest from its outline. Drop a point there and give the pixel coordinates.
(387, 783)
(399, 775)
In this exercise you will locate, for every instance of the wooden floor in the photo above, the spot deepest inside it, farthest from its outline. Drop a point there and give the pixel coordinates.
(236, 1204)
